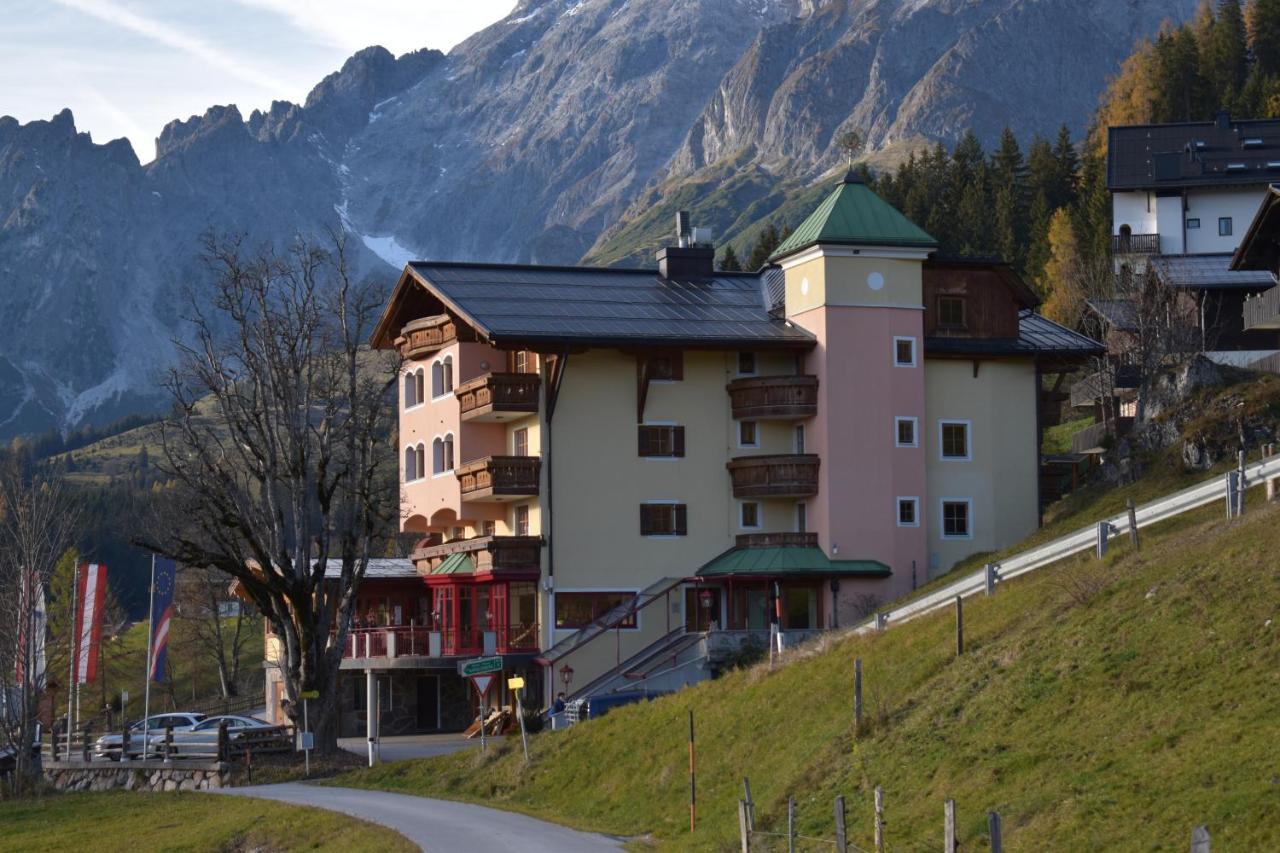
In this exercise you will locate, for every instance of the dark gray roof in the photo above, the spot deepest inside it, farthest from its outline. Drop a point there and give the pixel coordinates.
(1037, 336)
(379, 567)
(1207, 272)
(1153, 156)
(775, 288)
(594, 306)
(1120, 314)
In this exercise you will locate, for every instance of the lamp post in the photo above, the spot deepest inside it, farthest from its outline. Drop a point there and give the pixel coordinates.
(566, 676)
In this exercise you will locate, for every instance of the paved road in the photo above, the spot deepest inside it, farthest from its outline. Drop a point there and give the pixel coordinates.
(412, 746)
(438, 826)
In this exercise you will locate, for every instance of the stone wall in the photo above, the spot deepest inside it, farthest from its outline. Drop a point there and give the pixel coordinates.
(137, 775)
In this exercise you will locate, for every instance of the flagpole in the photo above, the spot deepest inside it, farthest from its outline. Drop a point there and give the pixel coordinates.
(146, 702)
(71, 664)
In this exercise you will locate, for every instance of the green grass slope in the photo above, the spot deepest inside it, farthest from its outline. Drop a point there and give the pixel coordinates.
(1111, 705)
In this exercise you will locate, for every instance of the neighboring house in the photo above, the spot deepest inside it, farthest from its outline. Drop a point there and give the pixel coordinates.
(615, 472)
(1259, 251)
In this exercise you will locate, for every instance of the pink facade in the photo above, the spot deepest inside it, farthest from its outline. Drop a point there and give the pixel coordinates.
(860, 393)
(434, 501)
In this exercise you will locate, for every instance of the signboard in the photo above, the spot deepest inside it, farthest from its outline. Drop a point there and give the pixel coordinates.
(309, 694)
(480, 666)
(306, 740)
(515, 682)
(482, 683)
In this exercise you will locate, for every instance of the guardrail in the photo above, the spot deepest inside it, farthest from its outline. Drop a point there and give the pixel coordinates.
(1078, 542)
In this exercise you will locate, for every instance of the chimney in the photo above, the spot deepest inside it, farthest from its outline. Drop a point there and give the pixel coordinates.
(687, 260)
(1223, 120)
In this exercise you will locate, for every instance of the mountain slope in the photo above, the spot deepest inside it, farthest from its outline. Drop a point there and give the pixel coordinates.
(539, 138)
(1099, 705)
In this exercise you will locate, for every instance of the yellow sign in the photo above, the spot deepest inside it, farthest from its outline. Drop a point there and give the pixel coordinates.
(515, 683)
(309, 694)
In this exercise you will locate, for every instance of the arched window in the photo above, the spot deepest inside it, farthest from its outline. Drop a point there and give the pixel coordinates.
(437, 379)
(448, 452)
(419, 385)
(437, 456)
(410, 399)
(422, 461)
(447, 371)
(410, 464)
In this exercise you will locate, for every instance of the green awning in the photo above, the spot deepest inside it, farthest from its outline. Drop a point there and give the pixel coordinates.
(455, 564)
(789, 561)
(854, 215)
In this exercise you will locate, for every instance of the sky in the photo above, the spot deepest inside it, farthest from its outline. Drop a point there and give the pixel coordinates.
(128, 67)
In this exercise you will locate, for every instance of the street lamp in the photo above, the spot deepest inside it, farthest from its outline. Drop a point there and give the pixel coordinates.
(566, 676)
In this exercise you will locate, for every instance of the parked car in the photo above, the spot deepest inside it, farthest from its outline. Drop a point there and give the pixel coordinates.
(144, 732)
(202, 738)
(581, 710)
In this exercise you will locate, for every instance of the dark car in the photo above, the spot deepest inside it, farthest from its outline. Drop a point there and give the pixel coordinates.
(598, 706)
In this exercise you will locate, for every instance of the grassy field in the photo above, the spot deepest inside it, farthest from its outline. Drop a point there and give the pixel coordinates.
(129, 822)
(1100, 705)
(1057, 438)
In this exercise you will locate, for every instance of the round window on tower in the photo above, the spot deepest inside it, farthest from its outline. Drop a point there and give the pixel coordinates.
(804, 287)
(875, 281)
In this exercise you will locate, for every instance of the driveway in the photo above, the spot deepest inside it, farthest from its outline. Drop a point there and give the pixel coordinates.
(437, 826)
(412, 746)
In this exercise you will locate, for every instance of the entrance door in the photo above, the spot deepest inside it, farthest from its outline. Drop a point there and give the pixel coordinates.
(428, 703)
(701, 608)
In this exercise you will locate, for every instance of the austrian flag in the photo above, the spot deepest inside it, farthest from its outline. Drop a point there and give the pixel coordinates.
(88, 636)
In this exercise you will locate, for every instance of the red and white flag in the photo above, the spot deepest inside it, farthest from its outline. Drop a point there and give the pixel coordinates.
(93, 588)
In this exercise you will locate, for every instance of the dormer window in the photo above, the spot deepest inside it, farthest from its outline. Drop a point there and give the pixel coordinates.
(951, 314)
(1252, 142)
(1236, 167)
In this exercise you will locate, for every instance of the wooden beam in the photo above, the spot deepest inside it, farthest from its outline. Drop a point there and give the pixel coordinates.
(555, 375)
(642, 384)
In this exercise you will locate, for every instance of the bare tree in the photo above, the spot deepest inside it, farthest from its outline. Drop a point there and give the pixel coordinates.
(215, 622)
(278, 448)
(1165, 332)
(38, 520)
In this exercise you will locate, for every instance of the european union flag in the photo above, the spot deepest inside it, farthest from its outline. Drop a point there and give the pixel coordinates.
(161, 614)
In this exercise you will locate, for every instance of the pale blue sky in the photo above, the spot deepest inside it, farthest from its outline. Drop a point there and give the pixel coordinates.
(127, 67)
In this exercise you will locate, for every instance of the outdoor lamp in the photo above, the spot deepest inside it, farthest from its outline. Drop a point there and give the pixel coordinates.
(566, 675)
(705, 599)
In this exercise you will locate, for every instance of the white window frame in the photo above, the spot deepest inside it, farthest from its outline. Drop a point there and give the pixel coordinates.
(915, 360)
(446, 378)
(415, 375)
(915, 430)
(799, 439)
(416, 449)
(968, 440)
(665, 502)
(742, 525)
(444, 438)
(671, 458)
(942, 517)
(594, 589)
(738, 430)
(897, 510)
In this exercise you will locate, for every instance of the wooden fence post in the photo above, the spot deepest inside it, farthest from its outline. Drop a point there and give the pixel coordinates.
(879, 820)
(857, 696)
(743, 833)
(693, 781)
(168, 744)
(124, 742)
(959, 625)
(1200, 840)
(53, 745)
(222, 741)
(842, 845)
(84, 747)
(1133, 524)
(751, 806)
(993, 829)
(791, 825)
(949, 827)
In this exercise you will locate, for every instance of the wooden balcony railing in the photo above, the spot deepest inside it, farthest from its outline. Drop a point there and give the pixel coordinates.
(499, 396)
(425, 335)
(774, 397)
(1135, 244)
(790, 476)
(1262, 311)
(489, 553)
(784, 539)
(498, 478)
(395, 642)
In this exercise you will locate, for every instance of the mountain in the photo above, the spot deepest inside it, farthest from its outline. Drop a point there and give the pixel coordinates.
(556, 133)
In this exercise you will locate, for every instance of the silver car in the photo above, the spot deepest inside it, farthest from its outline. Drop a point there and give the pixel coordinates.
(202, 738)
(144, 732)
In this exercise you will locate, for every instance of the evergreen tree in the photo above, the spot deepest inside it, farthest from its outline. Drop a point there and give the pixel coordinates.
(766, 243)
(729, 260)
(1264, 36)
(1008, 246)
(1068, 161)
(1007, 165)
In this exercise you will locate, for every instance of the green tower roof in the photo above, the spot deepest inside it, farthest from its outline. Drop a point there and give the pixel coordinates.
(854, 215)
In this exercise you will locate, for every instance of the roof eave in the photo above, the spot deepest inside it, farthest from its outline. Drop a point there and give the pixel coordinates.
(870, 244)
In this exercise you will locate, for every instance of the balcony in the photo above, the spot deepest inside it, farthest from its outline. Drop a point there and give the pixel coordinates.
(1262, 311)
(774, 397)
(499, 397)
(489, 553)
(790, 476)
(1135, 244)
(776, 540)
(500, 478)
(406, 644)
(426, 335)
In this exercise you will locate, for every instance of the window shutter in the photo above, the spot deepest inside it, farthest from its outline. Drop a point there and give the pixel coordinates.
(643, 433)
(677, 441)
(682, 520)
(646, 520)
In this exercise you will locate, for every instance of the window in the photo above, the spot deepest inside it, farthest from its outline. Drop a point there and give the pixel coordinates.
(747, 436)
(905, 432)
(488, 528)
(749, 512)
(951, 312)
(661, 440)
(580, 609)
(520, 442)
(442, 454)
(442, 377)
(802, 518)
(904, 352)
(955, 519)
(456, 533)
(667, 367)
(410, 464)
(1193, 223)
(1224, 226)
(799, 438)
(413, 388)
(523, 361)
(908, 512)
(522, 520)
(746, 364)
(664, 519)
(954, 438)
